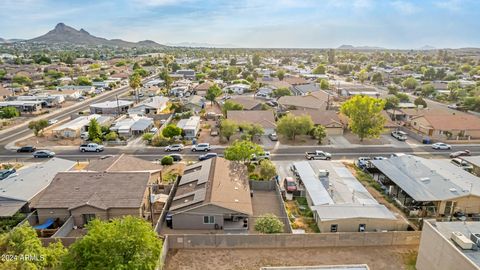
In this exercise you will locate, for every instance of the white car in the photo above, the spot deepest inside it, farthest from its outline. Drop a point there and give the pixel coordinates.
(52, 121)
(201, 147)
(441, 146)
(174, 147)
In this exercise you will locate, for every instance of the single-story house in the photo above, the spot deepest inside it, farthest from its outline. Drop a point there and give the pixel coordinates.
(329, 119)
(265, 119)
(248, 103)
(180, 91)
(292, 80)
(195, 103)
(186, 73)
(83, 89)
(349, 90)
(202, 88)
(443, 125)
(22, 188)
(304, 89)
(340, 203)
(122, 163)
(212, 194)
(190, 126)
(429, 187)
(75, 127)
(23, 106)
(89, 195)
(152, 105)
(111, 107)
(47, 100)
(132, 125)
(314, 101)
(238, 89)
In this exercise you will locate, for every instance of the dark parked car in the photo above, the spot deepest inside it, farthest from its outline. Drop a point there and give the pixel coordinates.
(207, 156)
(176, 157)
(43, 154)
(6, 173)
(26, 149)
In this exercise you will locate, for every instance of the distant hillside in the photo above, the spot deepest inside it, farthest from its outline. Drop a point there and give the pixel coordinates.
(2, 40)
(359, 48)
(427, 48)
(64, 34)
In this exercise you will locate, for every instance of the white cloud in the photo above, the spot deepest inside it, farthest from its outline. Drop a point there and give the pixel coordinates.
(452, 5)
(405, 7)
(153, 3)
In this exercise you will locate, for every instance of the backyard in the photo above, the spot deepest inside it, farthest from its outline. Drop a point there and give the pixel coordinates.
(300, 215)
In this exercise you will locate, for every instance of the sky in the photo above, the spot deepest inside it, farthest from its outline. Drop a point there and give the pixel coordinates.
(396, 24)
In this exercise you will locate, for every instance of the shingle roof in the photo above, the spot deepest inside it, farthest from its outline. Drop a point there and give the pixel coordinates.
(452, 121)
(324, 118)
(264, 118)
(102, 190)
(308, 101)
(248, 103)
(121, 163)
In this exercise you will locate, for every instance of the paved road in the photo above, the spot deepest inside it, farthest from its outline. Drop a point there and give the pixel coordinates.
(295, 153)
(22, 130)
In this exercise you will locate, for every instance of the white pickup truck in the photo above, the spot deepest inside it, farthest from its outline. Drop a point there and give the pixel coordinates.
(91, 147)
(318, 155)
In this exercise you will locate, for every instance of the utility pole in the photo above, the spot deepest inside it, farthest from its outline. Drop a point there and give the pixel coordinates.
(118, 105)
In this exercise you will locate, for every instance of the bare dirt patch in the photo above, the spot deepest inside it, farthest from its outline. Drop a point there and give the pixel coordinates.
(352, 138)
(377, 258)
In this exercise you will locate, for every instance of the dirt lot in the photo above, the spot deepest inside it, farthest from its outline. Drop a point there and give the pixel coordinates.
(352, 138)
(48, 140)
(377, 258)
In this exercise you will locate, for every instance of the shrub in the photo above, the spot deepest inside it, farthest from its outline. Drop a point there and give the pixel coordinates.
(167, 160)
(111, 136)
(268, 223)
(147, 137)
(160, 141)
(253, 176)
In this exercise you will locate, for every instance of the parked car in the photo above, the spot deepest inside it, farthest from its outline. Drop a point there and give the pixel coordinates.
(397, 155)
(441, 146)
(460, 154)
(207, 156)
(6, 173)
(154, 130)
(462, 163)
(273, 137)
(318, 155)
(201, 147)
(43, 154)
(260, 156)
(52, 121)
(26, 149)
(399, 135)
(362, 162)
(174, 147)
(289, 184)
(91, 147)
(176, 157)
(214, 132)
(84, 136)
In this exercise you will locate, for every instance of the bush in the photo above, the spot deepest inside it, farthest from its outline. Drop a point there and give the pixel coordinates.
(167, 160)
(253, 176)
(111, 136)
(97, 140)
(268, 223)
(160, 141)
(147, 137)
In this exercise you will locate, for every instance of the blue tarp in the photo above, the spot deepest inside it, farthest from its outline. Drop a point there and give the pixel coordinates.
(45, 225)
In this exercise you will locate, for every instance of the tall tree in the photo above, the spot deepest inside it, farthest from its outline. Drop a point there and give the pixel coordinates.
(410, 83)
(282, 91)
(171, 131)
(320, 69)
(127, 243)
(331, 56)
(228, 128)
(319, 132)
(420, 102)
(213, 92)
(242, 150)
(38, 126)
(267, 170)
(291, 126)
(280, 74)
(94, 131)
(364, 116)
(135, 81)
(231, 106)
(362, 75)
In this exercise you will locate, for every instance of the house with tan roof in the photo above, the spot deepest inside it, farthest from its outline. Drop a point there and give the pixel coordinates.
(212, 194)
(265, 119)
(314, 101)
(443, 125)
(248, 103)
(329, 119)
(4, 93)
(202, 88)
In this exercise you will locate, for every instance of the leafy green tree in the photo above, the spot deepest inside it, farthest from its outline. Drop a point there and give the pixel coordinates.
(280, 74)
(23, 241)
(242, 150)
(267, 170)
(252, 130)
(420, 102)
(291, 126)
(331, 56)
(472, 103)
(22, 79)
(320, 69)
(429, 74)
(256, 59)
(148, 136)
(171, 131)
(269, 223)
(166, 77)
(377, 78)
(231, 106)
(126, 243)
(213, 92)
(282, 91)
(9, 112)
(324, 84)
(94, 130)
(428, 90)
(364, 116)
(82, 80)
(392, 89)
(402, 97)
(391, 102)
(3, 72)
(228, 128)
(319, 132)
(111, 136)
(135, 82)
(38, 126)
(362, 75)
(167, 160)
(136, 66)
(410, 83)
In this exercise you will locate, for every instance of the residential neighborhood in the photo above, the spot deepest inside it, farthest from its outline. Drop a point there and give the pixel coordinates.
(272, 152)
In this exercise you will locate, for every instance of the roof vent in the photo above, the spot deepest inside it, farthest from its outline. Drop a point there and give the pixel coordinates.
(77, 188)
(185, 201)
(424, 179)
(236, 200)
(236, 188)
(453, 190)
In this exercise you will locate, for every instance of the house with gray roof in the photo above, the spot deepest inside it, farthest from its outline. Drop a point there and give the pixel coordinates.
(111, 107)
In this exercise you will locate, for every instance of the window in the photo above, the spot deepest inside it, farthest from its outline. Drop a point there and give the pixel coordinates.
(208, 219)
(333, 228)
(362, 227)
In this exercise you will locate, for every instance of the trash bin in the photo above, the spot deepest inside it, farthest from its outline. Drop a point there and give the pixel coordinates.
(168, 220)
(426, 141)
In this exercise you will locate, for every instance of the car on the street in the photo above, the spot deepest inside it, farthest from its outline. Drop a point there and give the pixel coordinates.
(318, 154)
(52, 121)
(176, 157)
(273, 137)
(260, 156)
(441, 146)
(174, 147)
(26, 149)
(43, 154)
(460, 154)
(462, 164)
(362, 162)
(207, 156)
(289, 184)
(91, 147)
(399, 135)
(6, 173)
(201, 147)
